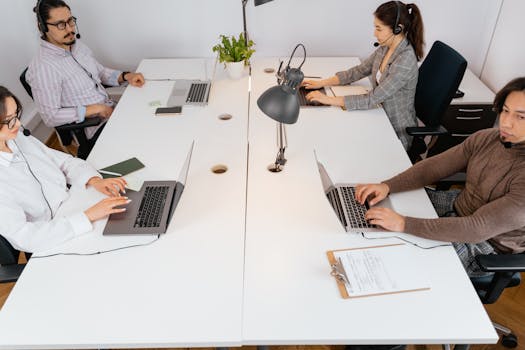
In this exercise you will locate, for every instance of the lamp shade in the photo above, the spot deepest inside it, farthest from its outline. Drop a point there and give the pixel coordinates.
(280, 103)
(261, 2)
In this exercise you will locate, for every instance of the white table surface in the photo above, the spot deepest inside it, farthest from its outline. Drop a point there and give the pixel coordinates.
(183, 290)
(289, 295)
(244, 261)
(475, 91)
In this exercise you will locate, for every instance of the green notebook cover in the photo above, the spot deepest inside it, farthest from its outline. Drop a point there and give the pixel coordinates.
(122, 168)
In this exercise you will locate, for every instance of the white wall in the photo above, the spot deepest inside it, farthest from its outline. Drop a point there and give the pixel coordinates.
(122, 32)
(506, 56)
(345, 27)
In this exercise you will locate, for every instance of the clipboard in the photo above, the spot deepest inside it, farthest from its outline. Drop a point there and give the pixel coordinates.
(342, 278)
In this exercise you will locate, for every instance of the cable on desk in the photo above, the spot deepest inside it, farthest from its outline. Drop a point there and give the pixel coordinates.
(100, 252)
(407, 241)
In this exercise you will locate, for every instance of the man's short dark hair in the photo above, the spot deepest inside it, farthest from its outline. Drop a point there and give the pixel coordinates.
(42, 9)
(517, 84)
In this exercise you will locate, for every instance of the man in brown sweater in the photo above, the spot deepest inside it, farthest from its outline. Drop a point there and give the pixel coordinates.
(488, 215)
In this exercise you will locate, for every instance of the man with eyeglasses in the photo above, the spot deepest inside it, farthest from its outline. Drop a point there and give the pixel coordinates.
(66, 80)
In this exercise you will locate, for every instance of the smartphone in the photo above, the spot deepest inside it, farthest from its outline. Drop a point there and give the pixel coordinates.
(168, 110)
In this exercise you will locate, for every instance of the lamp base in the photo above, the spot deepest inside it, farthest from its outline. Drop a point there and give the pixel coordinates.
(275, 168)
(280, 161)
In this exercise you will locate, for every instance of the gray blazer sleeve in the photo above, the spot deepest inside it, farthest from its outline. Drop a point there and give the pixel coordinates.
(402, 69)
(358, 72)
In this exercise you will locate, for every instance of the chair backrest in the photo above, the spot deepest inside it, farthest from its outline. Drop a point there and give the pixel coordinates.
(8, 254)
(66, 137)
(25, 84)
(439, 77)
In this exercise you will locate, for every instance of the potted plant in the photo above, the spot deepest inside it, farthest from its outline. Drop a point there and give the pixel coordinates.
(234, 53)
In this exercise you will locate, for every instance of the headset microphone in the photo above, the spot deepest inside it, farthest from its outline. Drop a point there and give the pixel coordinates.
(377, 43)
(78, 36)
(507, 144)
(26, 131)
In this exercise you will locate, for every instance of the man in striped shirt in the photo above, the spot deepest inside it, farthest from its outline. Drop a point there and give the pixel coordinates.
(65, 78)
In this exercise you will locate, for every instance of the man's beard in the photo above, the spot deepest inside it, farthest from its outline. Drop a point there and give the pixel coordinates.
(72, 41)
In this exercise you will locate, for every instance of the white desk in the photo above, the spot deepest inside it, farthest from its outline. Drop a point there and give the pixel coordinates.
(211, 280)
(289, 295)
(183, 290)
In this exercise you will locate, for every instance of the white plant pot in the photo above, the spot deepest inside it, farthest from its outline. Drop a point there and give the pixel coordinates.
(235, 69)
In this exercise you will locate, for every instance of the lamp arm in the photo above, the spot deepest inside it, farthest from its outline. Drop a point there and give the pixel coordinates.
(244, 2)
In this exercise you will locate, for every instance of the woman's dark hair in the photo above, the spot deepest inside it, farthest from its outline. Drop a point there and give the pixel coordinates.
(42, 9)
(409, 19)
(4, 94)
(517, 84)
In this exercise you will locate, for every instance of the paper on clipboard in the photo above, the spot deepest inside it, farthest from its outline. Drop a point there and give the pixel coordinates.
(345, 90)
(376, 270)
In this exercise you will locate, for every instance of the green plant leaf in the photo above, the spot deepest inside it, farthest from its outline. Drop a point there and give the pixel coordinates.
(231, 49)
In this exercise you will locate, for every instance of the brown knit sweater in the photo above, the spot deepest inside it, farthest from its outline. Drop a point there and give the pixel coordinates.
(492, 205)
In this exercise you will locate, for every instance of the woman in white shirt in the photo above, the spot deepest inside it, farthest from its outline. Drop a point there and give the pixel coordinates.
(33, 185)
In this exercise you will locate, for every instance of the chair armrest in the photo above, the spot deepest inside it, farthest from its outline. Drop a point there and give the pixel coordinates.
(10, 273)
(502, 262)
(426, 130)
(77, 126)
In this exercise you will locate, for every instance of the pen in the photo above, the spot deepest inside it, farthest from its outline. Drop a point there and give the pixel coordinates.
(152, 79)
(109, 173)
(312, 77)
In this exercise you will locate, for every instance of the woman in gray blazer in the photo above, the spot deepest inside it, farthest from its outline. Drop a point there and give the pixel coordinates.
(392, 69)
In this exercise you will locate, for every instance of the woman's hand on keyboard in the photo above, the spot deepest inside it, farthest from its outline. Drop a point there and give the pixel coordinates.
(106, 207)
(313, 84)
(374, 192)
(386, 218)
(112, 187)
(318, 96)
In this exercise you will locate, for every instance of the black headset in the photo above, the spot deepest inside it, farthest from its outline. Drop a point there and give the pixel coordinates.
(42, 25)
(397, 28)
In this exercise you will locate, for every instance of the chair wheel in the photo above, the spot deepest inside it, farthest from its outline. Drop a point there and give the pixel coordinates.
(509, 341)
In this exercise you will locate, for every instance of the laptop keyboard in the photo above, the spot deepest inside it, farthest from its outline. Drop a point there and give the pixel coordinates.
(302, 92)
(151, 206)
(356, 211)
(197, 93)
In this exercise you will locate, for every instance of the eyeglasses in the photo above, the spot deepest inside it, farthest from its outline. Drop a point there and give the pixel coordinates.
(11, 122)
(72, 21)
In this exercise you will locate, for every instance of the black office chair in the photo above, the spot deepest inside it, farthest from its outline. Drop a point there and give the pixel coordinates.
(507, 269)
(439, 77)
(10, 269)
(69, 132)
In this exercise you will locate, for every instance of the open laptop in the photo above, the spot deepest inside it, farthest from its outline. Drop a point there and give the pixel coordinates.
(191, 92)
(349, 211)
(151, 208)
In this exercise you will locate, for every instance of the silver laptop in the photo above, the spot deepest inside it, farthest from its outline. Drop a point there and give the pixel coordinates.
(151, 208)
(350, 212)
(191, 92)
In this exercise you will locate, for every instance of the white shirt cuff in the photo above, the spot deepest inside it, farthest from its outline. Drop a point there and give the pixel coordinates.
(80, 223)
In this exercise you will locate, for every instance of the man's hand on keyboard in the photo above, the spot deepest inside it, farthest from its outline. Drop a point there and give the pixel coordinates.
(375, 193)
(386, 218)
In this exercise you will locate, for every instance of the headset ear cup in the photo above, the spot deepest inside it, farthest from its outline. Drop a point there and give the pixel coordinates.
(398, 29)
(42, 27)
(41, 23)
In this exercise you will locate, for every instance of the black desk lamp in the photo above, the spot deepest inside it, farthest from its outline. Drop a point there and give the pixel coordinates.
(281, 103)
(244, 2)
